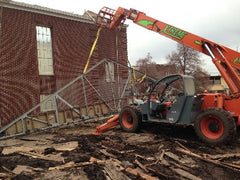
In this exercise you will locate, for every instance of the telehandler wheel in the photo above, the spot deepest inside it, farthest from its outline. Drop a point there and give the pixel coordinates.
(215, 126)
(130, 119)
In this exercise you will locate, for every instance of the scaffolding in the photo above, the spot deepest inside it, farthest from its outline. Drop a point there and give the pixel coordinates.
(121, 94)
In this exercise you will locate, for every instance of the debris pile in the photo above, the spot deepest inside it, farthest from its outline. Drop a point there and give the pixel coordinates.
(156, 152)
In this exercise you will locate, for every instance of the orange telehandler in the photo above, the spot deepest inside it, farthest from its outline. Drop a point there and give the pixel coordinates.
(215, 116)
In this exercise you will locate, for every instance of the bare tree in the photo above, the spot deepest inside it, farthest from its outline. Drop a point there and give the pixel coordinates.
(146, 65)
(186, 59)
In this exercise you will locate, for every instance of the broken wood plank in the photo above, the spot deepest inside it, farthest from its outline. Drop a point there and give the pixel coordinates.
(69, 165)
(182, 146)
(145, 158)
(141, 165)
(173, 156)
(223, 156)
(184, 161)
(98, 161)
(115, 150)
(63, 166)
(49, 157)
(14, 149)
(114, 169)
(158, 173)
(143, 175)
(107, 153)
(161, 155)
(5, 176)
(216, 162)
(185, 174)
(6, 169)
(21, 168)
(67, 146)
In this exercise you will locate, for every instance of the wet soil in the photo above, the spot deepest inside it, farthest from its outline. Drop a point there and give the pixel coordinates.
(67, 152)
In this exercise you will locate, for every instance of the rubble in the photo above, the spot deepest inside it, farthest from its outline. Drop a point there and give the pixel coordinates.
(157, 152)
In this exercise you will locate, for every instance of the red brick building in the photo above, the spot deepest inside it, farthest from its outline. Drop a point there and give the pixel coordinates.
(42, 49)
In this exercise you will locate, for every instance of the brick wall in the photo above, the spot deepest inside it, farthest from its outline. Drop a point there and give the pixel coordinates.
(20, 83)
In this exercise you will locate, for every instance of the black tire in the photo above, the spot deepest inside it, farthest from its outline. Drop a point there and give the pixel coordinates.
(215, 126)
(130, 119)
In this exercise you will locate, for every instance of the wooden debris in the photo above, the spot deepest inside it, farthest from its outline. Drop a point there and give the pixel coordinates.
(161, 155)
(182, 146)
(157, 172)
(160, 147)
(145, 158)
(15, 149)
(68, 146)
(72, 164)
(63, 166)
(6, 169)
(216, 162)
(127, 164)
(223, 156)
(21, 168)
(98, 161)
(173, 156)
(185, 173)
(107, 153)
(69, 165)
(4, 175)
(137, 172)
(49, 157)
(141, 165)
(120, 152)
(113, 169)
(185, 161)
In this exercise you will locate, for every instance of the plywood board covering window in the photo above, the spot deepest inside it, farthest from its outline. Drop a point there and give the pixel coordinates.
(48, 105)
(109, 66)
(44, 48)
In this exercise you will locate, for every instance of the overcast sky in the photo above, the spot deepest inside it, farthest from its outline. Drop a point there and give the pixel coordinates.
(216, 20)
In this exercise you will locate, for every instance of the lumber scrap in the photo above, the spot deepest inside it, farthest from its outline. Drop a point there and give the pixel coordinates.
(141, 165)
(49, 157)
(145, 158)
(69, 165)
(216, 162)
(114, 169)
(223, 156)
(115, 150)
(185, 174)
(22, 168)
(184, 161)
(5, 175)
(103, 151)
(67, 146)
(158, 173)
(143, 175)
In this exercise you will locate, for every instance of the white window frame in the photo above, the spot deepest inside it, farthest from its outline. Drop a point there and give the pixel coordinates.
(44, 48)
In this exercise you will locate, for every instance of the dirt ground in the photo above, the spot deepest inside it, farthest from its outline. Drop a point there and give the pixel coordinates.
(158, 151)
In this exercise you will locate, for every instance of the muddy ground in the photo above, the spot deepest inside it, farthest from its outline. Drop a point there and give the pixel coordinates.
(158, 151)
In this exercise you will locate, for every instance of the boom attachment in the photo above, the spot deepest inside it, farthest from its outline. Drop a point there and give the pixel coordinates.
(111, 18)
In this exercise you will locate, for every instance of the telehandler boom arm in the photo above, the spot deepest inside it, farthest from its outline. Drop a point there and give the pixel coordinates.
(225, 59)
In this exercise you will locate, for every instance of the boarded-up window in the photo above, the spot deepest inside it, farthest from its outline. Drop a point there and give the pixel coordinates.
(48, 105)
(44, 47)
(109, 66)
